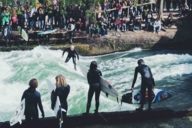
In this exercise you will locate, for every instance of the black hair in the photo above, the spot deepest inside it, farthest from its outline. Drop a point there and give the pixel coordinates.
(93, 65)
(33, 83)
(140, 61)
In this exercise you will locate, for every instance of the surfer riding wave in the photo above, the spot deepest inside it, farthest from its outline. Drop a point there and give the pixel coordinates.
(72, 53)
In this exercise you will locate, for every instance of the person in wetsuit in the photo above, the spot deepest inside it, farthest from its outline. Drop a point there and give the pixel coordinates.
(93, 77)
(147, 82)
(72, 53)
(32, 100)
(62, 91)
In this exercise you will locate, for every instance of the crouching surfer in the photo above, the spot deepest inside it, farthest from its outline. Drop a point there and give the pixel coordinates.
(32, 100)
(147, 82)
(93, 78)
(62, 91)
(72, 53)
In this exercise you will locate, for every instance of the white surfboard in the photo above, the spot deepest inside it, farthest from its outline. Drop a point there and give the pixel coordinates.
(46, 32)
(72, 27)
(5, 31)
(107, 88)
(24, 35)
(19, 114)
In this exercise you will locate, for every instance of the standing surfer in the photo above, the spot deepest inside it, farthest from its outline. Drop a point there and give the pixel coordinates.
(32, 100)
(147, 82)
(72, 53)
(62, 91)
(93, 78)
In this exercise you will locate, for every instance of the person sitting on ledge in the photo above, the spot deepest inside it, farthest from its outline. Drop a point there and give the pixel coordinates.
(168, 22)
(157, 25)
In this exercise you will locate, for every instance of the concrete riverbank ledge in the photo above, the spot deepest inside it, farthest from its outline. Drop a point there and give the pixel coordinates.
(104, 119)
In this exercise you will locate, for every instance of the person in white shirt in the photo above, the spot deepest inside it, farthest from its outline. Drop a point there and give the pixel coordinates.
(157, 25)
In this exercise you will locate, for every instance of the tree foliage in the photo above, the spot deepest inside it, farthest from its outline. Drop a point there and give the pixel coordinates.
(7, 2)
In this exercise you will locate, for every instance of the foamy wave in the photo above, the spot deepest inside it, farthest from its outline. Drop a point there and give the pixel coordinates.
(18, 67)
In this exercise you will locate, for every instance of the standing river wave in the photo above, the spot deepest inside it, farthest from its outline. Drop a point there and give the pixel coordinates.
(172, 72)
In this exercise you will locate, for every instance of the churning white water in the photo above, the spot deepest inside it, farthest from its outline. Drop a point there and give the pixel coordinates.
(18, 67)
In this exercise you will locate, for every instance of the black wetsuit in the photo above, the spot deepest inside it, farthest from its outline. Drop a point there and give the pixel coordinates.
(93, 77)
(62, 93)
(72, 54)
(32, 99)
(147, 82)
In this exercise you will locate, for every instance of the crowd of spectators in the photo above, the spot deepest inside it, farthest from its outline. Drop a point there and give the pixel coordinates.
(42, 18)
(118, 15)
(124, 15)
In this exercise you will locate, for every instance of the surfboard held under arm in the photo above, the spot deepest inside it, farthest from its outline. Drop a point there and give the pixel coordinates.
(57, 106)
(19, 114)
(107, 88)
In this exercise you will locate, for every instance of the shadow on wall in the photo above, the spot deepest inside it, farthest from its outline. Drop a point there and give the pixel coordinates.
(183, 36)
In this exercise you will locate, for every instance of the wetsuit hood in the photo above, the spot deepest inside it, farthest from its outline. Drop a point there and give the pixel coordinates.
(140, 62)
(93, 65)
